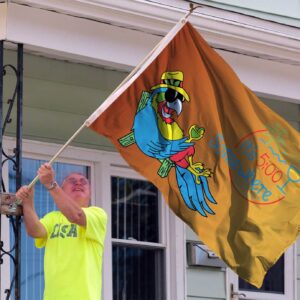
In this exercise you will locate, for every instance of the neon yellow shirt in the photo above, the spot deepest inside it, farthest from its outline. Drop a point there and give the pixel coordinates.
(73, 256)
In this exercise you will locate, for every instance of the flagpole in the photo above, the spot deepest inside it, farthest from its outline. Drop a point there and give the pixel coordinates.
(123, 85)
(182, 20)
(59, 152)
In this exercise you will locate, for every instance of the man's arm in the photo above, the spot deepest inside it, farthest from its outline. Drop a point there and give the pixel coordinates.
(33, 225)
(71, 210)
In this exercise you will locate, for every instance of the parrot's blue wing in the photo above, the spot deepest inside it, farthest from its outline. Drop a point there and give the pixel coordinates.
(193, 194)
(149, 139)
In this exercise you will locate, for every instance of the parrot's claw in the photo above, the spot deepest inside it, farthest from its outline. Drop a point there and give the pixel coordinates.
(198, 166)
(207, 172)
(198, 170)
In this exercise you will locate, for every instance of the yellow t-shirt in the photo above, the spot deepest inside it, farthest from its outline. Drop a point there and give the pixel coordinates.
(73, 256)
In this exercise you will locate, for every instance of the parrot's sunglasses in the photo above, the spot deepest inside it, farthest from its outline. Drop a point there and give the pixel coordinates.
(172, 95)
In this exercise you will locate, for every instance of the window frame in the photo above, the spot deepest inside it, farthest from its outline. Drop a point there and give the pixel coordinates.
(102, 165)
(42, 151)
(172, 242)
(117, 171)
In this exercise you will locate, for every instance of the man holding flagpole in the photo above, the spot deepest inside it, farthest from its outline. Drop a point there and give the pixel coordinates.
(73, 237)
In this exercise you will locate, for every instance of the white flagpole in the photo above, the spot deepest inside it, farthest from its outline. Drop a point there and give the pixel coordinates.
(135, 73)
(32, 183)
(137, 70)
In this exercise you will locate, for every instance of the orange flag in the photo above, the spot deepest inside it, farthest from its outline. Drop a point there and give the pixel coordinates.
(226, 164)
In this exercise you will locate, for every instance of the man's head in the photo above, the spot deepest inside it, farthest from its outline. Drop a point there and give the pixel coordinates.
(78, 188)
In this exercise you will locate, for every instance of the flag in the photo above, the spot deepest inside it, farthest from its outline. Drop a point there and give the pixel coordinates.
(226, 164)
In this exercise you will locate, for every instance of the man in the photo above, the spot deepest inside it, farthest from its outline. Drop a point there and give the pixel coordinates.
(73, 237)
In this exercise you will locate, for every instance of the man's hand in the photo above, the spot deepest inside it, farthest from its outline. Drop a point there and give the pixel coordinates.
(25, 195)
(46, 175)
(33, 226)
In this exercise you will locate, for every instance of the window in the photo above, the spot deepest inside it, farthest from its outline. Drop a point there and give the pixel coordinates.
(278, 283)
(273, 282)
(138, 268)
(32, 274)
(32, 283)
(147, 260)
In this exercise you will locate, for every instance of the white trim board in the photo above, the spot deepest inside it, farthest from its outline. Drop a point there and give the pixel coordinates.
(3, 15)
(55, 25)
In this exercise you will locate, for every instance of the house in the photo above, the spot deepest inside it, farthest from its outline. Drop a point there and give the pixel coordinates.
(75, 54)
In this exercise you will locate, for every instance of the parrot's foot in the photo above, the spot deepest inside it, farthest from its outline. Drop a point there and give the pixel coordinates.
(207, 172)
(198, 170)
(197, 167)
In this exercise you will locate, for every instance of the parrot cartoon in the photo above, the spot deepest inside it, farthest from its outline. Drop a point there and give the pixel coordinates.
(158, 135)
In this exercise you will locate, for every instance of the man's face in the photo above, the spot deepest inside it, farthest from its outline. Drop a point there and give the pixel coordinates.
(78, 188)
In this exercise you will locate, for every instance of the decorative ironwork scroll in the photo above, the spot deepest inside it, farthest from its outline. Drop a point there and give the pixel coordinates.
(9, 206)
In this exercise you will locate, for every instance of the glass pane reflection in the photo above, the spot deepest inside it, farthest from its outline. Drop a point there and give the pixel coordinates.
(134, 210)
(137, 274)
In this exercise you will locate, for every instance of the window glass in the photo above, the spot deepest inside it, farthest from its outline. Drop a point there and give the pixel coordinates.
(138, 270)
(32, 276)
(134, 210)
(137, 273)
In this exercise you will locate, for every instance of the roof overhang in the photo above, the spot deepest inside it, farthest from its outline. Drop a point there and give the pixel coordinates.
(118, 34)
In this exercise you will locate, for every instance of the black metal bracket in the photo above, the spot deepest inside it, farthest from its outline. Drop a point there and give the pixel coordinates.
(9, 205)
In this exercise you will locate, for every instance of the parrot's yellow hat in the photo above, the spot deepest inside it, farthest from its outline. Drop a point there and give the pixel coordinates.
(173, 80)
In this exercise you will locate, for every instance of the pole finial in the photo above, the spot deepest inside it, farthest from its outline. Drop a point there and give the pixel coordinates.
(192, 8)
